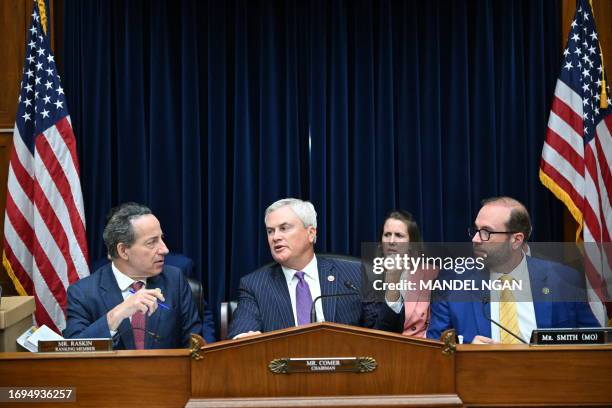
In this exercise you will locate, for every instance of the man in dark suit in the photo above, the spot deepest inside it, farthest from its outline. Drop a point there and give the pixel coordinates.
(552, 295)
(135, 299)
(281, 295)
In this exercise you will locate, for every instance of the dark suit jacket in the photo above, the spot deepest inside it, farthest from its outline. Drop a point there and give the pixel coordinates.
(264, 303)
(559, 301)
(90, 299)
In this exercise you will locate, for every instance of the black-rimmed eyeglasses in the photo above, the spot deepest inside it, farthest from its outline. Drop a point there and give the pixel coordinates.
(485, 234)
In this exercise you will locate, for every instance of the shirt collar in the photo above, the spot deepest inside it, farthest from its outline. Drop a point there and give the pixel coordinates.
(519, 273)
(309, 270)
(123, 280)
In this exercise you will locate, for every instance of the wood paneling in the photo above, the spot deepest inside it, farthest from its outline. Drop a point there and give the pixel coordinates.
(524, 375)
(14, 18)
(145, 378)
(410, 372)
(406, 366)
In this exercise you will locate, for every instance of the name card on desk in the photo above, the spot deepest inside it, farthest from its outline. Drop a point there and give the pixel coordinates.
(543, 337)
(323, 364)
(75, 346)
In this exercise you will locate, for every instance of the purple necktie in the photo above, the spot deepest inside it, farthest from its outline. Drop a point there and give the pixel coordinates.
(303, 299)
(138, 321)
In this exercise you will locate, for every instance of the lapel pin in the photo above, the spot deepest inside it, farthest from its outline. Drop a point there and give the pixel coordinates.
(331, 278)
(545, 291)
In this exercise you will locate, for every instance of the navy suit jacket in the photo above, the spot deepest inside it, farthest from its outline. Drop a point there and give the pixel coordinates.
(559, 301)
(91, 298)
(264, 303)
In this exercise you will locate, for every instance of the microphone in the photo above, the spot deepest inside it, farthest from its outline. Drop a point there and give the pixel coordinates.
(485, 301)
(156, 337)
(313, 310)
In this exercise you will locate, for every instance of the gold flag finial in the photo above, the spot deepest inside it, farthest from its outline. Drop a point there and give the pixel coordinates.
(42, 9)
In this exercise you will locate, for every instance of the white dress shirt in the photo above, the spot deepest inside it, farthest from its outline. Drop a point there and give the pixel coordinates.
(311, 276)
(124, 282)
(524, 303)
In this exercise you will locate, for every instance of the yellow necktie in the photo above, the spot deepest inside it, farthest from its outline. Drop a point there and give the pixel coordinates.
(508, 317)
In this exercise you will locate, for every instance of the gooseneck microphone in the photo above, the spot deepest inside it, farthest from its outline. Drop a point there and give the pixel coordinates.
(156, 337)
(313, 310)
(485, 301)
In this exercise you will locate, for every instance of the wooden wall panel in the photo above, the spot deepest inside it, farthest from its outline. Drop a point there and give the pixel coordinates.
(14, 18)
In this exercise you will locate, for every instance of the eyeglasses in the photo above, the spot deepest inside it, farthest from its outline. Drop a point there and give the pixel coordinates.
(485, 234)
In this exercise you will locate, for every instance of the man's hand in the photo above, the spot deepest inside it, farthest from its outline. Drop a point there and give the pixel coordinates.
(478, 339)
(247, 334)
(143, 301)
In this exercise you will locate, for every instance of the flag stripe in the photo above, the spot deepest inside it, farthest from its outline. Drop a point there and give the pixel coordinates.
(570, 98)
(561, 128)
(28, 237)
(64, 148)
(558, 174)
(56, 233)
(55, 184)
(16, 265)
(561, 146)
(569, 118)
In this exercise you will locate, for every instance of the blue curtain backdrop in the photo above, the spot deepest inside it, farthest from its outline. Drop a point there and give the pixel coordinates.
(209, 111)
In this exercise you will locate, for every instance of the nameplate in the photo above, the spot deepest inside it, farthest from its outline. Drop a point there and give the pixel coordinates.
(323, 365)
(75, 346)
(544, 337)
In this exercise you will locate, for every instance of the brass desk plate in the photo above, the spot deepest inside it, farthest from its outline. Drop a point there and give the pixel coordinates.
(323, 365)
(75, 346)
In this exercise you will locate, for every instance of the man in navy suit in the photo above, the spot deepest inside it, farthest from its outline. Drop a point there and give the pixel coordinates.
(136, 299)
(281, 296)
(552, 294)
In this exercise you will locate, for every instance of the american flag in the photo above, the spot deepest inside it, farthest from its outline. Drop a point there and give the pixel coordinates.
(577, 153)
(45, 247)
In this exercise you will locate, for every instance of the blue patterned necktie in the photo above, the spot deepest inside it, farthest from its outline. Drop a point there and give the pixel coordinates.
(303, 299)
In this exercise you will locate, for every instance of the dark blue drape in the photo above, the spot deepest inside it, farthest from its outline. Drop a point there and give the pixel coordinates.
(209, 111)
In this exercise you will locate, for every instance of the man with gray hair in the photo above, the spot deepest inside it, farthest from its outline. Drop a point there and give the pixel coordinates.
(136, 299)
(279, 296)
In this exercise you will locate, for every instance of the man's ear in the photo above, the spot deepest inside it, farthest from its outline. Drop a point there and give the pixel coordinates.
(122, 251)
(518, 240)
(312, 234)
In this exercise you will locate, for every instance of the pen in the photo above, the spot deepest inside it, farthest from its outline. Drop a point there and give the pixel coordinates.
(160, 304)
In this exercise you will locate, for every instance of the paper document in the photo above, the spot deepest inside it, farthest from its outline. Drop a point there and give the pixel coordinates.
(29, 340)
